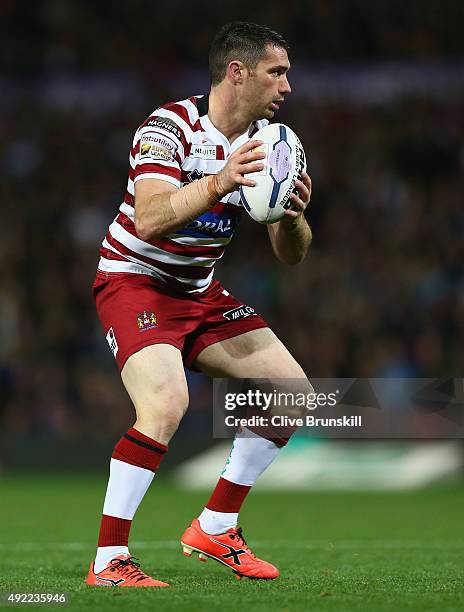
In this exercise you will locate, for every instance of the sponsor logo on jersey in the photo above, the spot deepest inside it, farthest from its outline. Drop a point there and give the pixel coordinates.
(223, 226)
(163, 123)
(156, 146)
(220, 224)
(203, 151)
(155, 152)
(239, 313)
(146, 320)
(111, 339)
(194, 175)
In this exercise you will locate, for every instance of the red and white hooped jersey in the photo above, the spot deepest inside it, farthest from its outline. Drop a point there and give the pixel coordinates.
(177, 143)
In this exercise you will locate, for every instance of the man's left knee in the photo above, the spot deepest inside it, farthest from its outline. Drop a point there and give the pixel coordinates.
(292, 369)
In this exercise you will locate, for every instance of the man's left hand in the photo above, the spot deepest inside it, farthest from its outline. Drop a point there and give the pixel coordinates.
(301, 199)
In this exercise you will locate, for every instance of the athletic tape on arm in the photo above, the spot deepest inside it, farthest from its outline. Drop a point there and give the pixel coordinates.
(192, 200)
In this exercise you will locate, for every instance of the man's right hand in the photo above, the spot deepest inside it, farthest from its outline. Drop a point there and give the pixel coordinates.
(243, 161)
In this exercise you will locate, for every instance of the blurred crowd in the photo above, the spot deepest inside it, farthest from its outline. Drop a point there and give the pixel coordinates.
(80, 36)
(382, 291)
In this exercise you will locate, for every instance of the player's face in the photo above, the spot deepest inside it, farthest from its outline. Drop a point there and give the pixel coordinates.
(267, 84)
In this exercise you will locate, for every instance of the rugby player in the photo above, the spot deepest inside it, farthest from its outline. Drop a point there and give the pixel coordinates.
(161, 309)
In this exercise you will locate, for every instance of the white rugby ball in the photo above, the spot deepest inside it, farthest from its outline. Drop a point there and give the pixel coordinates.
(285, 161)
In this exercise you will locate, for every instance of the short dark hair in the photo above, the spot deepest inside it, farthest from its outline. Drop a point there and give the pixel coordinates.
(243, 41)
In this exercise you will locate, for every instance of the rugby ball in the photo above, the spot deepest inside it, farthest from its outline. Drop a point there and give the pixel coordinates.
(285, 161)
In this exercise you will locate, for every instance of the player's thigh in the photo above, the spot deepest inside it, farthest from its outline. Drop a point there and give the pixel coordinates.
(154, 378)
(254, 354)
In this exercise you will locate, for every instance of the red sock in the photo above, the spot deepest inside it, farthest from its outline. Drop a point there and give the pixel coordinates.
(227, 496)
(138, 450)
(114, 531)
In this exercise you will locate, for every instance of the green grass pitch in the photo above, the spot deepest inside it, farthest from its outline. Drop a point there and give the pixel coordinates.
(336, 551)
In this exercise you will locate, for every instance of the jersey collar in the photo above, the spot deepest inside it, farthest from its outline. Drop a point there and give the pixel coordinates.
(203, 107)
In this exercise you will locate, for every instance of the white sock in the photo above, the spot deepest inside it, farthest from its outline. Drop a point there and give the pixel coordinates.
(249, 457)
(105, 554)
(126, 487)
(213, 522)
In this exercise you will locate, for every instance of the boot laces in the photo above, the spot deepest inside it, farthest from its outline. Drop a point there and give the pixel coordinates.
(128, 567)
(238, 534)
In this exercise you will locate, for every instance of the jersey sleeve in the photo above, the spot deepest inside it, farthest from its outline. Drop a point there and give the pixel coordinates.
(159, 150)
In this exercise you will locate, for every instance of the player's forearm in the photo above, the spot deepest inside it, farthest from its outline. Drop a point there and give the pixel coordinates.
(292, 240)
(168, 211)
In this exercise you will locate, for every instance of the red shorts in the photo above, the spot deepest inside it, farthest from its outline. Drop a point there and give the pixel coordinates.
(136, 310)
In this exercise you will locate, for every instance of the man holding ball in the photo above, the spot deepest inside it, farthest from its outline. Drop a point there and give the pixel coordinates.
(161, 309)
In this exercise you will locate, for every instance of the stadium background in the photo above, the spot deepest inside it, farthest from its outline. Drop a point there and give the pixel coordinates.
(377, 101)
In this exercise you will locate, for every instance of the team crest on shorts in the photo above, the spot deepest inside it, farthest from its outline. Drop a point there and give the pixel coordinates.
(146, 320)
